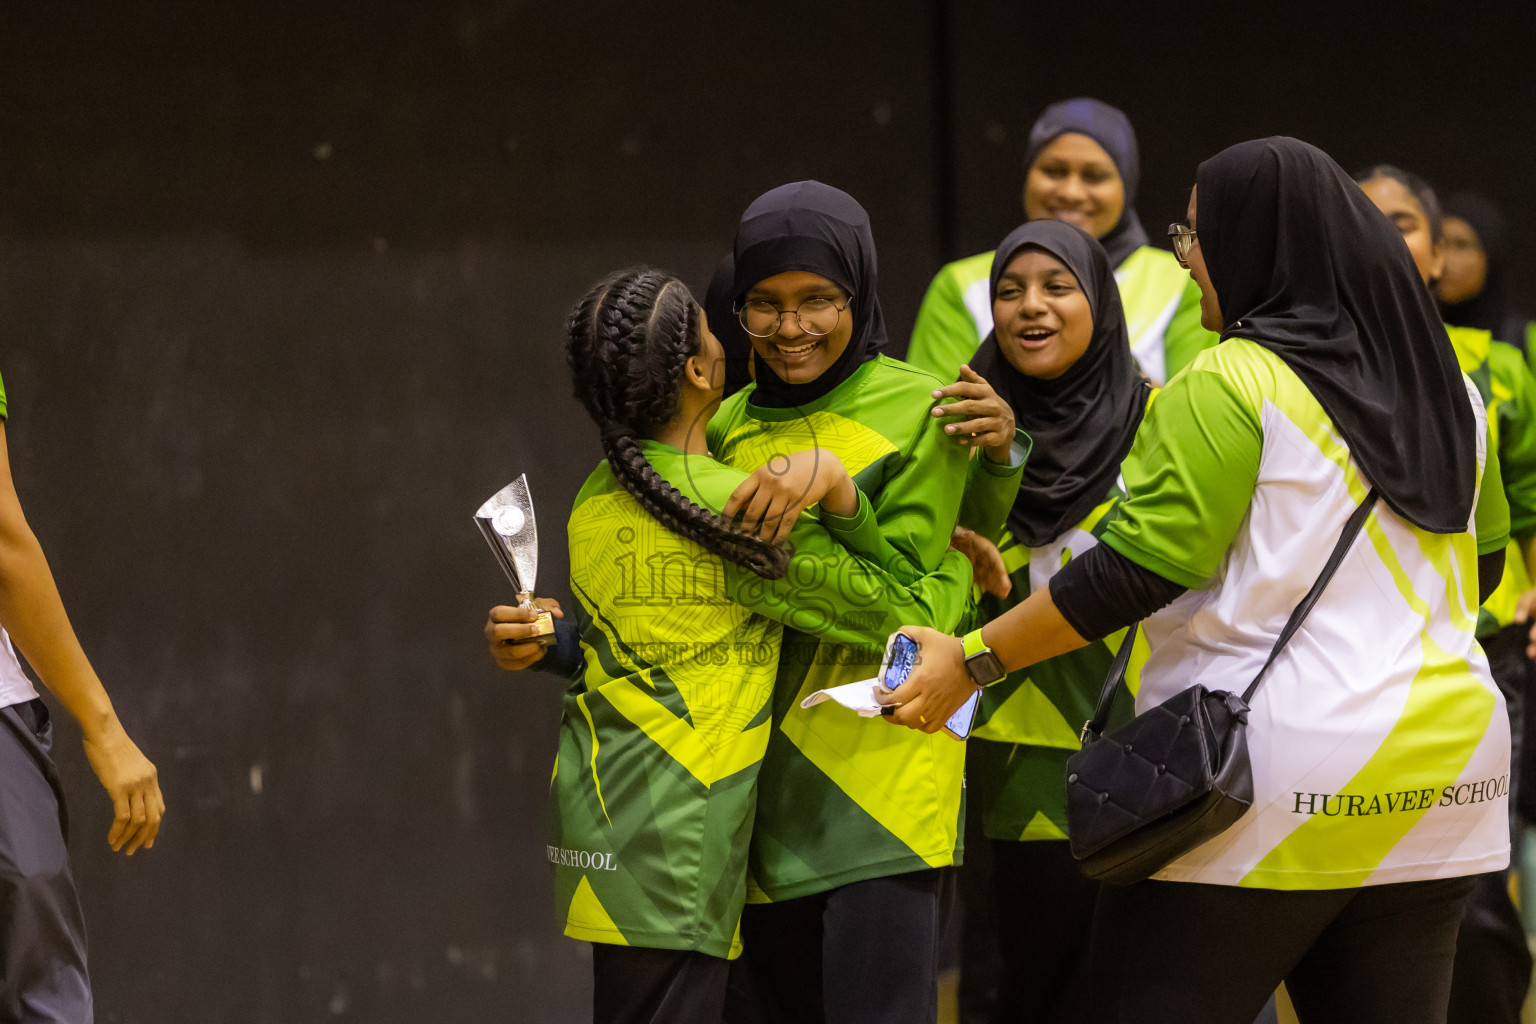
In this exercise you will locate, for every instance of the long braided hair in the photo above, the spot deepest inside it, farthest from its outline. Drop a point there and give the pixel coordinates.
(627, 343)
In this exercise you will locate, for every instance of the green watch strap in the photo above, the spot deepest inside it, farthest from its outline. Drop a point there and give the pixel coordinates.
(985, 668)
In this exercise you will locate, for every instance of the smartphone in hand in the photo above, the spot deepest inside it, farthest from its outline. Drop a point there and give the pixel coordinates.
(901, 654)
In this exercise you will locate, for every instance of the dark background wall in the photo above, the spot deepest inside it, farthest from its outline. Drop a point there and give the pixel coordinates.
(280, 294)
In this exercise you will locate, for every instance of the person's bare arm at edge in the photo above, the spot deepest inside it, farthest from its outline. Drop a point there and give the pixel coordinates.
(1028, 633)
(33, 614)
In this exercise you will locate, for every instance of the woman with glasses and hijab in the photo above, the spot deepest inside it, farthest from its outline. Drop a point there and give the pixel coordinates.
(853, 817)
(1378, 744)
(1082, 166)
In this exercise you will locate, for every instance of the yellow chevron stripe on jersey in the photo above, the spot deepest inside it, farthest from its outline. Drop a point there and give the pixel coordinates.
(759, 442)
(587, 919)
(706, 759)
(1041, 827)
(935, 764)
(1033, 719)
(1015, 555)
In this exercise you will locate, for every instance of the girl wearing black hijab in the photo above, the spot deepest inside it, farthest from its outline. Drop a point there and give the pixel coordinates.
(1058, 354)
(853, 817)
(1378, 742)
(1474, 289)
(1082, 166)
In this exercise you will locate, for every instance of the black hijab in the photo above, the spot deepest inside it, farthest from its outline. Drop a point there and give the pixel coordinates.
(817, 228)
(1083, 422)
(720, 308)
(1306, 266)
(1110, 128)
(1489, 309)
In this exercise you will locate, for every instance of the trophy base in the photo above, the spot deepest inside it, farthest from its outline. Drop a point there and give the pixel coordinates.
(546, 634)
(544, 624)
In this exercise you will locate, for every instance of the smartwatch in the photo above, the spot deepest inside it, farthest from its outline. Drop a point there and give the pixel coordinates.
(980, 662)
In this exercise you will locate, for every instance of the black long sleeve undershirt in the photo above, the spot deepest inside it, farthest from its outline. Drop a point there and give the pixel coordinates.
(1490, 569)
(1102, 591)
(564, 657)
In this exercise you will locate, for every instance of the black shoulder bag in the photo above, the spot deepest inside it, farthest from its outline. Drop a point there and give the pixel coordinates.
(1177, 774)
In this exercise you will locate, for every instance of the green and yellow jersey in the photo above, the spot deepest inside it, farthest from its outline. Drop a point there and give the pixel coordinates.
(841, 798)
(664, 729)
(1161, 302)
(1509, 393)
(1030, 722)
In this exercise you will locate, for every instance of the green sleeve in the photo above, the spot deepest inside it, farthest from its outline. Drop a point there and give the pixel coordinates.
(1185, 338)
(917, 500)
(944, 335)
(1189, 479)
(1514, 406)
(3, 412)
(832, 593)
(860, 534)
(1492, 515)
(991, 488)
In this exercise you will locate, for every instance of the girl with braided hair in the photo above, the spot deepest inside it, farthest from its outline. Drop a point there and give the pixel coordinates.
(680, 614)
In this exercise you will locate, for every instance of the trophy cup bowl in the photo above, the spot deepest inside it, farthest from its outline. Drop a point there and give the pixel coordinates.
(507, 524)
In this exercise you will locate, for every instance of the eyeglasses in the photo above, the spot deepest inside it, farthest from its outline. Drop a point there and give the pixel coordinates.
(815, 317)
(1183, 241)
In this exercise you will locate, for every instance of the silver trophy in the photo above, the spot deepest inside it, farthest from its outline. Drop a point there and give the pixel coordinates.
(506, 522)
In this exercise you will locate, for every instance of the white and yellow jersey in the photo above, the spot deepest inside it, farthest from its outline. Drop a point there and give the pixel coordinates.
(1379, 742)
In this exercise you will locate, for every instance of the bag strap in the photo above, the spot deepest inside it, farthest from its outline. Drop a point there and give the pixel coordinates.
(1095, 725)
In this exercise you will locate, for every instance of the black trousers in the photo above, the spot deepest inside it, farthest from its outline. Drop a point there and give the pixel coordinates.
(639, 985)
(866, 951)
(1181, 953)
(1493, 962)
(42, 932)
(1043, 912)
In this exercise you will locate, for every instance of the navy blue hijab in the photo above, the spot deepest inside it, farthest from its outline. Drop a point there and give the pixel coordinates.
(1306, 266)
(1083, 422)
(816, 228)
(1110, 128)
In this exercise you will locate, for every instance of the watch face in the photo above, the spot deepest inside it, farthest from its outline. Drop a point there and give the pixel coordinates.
(985, 668)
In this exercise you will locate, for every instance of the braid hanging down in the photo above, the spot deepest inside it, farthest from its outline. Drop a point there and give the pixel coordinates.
(628, 342)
